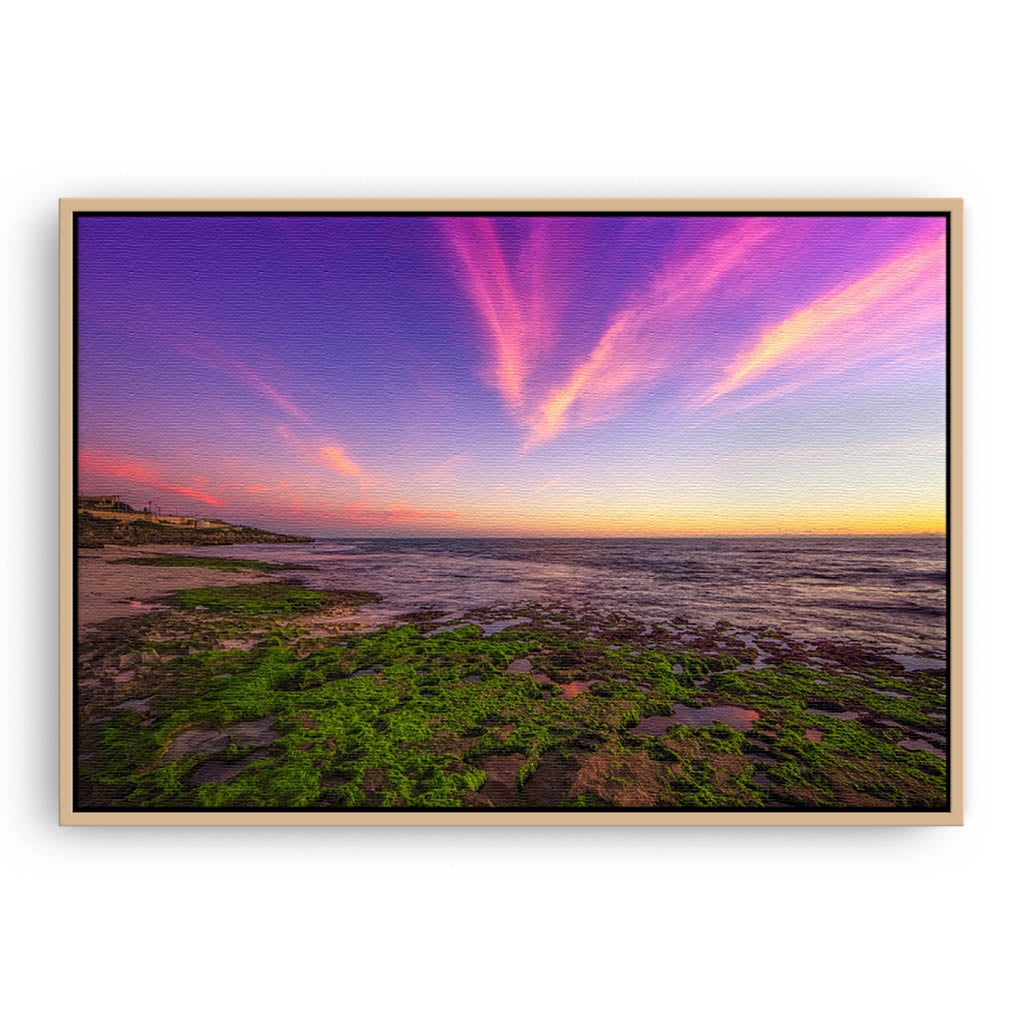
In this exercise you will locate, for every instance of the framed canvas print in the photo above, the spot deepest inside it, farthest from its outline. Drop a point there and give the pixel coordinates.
(511, 512)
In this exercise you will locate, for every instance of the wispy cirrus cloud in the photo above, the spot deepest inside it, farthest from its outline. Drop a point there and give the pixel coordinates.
(325, 512)
(876, 318)
(99, 468)
(398, 512)
(446, 470)
(587, 381)
(336, 456)
(191, 335)
(104, 465)
(553, 379)
(518, 300)
(218, 358)
(649, 334)
(328, 452)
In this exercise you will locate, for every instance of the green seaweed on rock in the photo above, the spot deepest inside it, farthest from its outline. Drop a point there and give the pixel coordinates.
(231, 700)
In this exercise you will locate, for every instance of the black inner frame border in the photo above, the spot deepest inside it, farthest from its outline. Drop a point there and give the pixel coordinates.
(511, 214)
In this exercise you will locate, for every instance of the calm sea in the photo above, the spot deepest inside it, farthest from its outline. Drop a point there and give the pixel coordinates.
(890, 590)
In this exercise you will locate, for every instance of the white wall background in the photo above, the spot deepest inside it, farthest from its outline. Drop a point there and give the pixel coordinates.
(525, 98)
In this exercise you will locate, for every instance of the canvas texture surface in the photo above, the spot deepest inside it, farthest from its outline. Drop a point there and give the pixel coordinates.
(511, 512)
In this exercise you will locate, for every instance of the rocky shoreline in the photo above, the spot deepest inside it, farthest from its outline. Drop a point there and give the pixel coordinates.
(255, 691)
(96, 531)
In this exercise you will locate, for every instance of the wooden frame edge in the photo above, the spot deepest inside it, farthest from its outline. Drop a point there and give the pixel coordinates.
(955, 528)
(499, 818)
(66, 519)
(454, 204)
(68, 207)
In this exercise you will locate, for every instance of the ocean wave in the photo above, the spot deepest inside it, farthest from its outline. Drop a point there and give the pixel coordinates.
(888, 588)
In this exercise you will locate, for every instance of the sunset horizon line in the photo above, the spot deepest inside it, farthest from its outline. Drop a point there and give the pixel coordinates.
(272, 525)
(475, 376)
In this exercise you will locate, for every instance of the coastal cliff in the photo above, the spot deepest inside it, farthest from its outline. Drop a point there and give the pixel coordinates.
(96, 530)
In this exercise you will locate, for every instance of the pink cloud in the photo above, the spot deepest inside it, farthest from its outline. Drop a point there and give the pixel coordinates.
(519, 302)
(486, 279)
(328, 513)
(551, 383)
(218, 358)
(329, 452)
(521, 307)
(646, 335)
(879, 317)
(336, 456)
(132, 469)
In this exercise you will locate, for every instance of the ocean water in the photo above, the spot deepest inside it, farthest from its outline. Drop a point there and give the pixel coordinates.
(889, 591)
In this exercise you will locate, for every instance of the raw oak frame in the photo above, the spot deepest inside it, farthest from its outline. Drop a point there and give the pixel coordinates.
(954, 526)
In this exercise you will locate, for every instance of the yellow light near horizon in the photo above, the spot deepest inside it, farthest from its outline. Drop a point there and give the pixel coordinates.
(593, 523)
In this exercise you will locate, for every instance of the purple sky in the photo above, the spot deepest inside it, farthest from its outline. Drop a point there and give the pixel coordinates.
(359, 376)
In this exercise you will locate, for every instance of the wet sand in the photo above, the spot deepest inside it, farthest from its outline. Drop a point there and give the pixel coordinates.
(108, 590)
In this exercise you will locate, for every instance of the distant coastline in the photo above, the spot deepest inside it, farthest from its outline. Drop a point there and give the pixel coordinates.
(105, 520)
